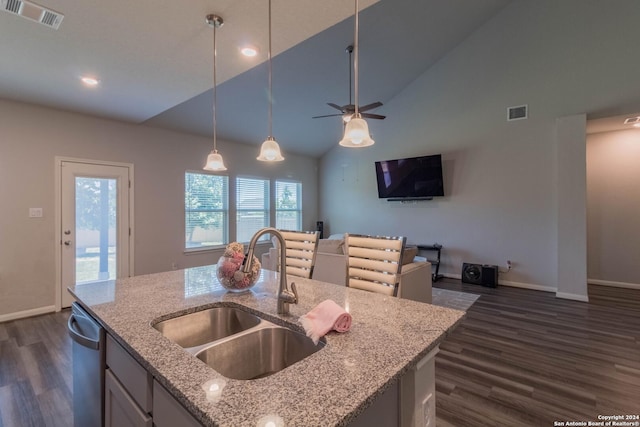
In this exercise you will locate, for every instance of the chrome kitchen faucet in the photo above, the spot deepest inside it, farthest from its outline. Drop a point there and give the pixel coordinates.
(285, 296)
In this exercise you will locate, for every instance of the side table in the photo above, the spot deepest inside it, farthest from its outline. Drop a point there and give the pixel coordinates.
(436, 247)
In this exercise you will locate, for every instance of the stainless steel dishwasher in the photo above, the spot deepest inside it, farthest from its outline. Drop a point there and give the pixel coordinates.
(88, 348)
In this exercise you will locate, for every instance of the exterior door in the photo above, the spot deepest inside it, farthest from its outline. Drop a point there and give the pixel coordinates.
(95, 233)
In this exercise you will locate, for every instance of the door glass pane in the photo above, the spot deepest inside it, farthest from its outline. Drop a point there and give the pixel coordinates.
(95, 229)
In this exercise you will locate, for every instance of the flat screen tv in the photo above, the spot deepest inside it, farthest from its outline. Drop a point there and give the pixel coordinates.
(415, 178)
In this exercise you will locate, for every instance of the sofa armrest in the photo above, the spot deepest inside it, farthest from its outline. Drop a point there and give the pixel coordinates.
(415, 281)
(330, 268)
(270, 259)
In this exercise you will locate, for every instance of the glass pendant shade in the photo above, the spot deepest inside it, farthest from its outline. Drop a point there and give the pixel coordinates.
(270, 151)
(214, 162)
(356, 134)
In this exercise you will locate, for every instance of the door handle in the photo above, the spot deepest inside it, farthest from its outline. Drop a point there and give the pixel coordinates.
(67, 242)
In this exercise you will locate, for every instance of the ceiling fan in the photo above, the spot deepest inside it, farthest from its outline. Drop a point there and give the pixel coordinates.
(347, 111)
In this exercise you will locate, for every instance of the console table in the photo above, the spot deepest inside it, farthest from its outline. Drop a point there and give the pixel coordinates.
(436, 247)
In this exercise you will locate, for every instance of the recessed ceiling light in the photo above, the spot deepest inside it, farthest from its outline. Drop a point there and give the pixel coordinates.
(249, 51)
(90, 81)
(637, 125)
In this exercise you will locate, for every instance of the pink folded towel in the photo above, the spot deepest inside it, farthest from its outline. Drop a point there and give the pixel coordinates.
(324, 317)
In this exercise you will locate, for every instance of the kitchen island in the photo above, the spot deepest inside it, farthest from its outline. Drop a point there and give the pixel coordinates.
(389, 339)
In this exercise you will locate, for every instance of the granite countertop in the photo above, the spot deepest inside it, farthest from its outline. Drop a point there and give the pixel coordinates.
(388, 336)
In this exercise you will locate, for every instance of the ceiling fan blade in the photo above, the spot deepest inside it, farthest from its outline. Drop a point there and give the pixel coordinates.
(373, 116)
(328, 115)
(337, 107)
(370, 106)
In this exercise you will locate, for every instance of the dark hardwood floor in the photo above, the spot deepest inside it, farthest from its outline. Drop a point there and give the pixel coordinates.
(520, 358)
(526, 358)
(35, 372)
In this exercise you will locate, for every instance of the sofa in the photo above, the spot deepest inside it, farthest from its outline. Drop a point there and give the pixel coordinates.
(331, 266)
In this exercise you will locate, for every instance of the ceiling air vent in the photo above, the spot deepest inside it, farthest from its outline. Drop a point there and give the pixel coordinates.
(33, 12)
(517, 113)
(632, 120)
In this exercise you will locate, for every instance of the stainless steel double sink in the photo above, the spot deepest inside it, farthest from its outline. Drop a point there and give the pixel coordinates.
(236, 343)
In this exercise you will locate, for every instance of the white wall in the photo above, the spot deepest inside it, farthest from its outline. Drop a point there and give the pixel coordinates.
(562, 58)
(614, 207)
(30, 138)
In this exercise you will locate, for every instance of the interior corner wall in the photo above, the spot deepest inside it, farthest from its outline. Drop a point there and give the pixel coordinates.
(613, 204)
(561, 59)
(571, 207)
(30, 139)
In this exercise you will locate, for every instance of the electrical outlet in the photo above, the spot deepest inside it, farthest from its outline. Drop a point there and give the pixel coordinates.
(35, 212)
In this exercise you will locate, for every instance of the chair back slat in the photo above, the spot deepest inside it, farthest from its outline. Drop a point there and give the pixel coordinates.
(375, 254)
(373, 276)
(372, 287)
(374, 262)
(301, 249)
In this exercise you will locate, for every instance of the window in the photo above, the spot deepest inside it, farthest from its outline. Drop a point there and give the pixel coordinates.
(288, 205)
(252, 207)
(206, 208)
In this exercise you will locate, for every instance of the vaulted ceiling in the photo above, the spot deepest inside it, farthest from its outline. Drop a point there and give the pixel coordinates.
(154, 61)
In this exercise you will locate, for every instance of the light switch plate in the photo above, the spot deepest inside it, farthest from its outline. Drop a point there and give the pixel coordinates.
(35, 212)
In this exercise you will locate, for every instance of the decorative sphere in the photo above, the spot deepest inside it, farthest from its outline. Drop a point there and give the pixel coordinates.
(231, 276)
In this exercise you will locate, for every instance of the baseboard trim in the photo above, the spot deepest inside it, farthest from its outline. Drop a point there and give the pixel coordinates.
(531, 286)
(512, 284)
(574, 297)
(613, 284)
(27, 313)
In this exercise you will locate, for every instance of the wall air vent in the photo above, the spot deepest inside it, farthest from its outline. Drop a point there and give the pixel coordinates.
(517, 113)
(32, 12)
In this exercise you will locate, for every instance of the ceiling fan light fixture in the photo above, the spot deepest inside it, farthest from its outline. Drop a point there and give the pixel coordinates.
(270, 151)
(214, 162)
(356, 134)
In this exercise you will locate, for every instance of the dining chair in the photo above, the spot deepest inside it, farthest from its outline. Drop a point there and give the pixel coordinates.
(374, 262)
(301, 252)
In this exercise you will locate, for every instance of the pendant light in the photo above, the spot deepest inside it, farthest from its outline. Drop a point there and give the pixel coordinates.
(270, 150)
(356, 132)
(214, 159)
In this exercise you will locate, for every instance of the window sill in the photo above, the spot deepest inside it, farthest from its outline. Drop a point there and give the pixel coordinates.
(217, 248)
(203, 250)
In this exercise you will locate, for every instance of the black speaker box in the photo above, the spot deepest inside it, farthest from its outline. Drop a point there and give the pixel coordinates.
(480, 274)
(320, 228)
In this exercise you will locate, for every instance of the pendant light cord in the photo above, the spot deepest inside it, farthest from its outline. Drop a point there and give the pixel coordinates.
(355, 62)
(215, 90)
(270, 83)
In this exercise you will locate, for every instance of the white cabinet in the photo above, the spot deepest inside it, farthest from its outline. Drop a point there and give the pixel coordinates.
(168, 412)
(120, 410)
(134, 399)
(128, 398)
(410, 402)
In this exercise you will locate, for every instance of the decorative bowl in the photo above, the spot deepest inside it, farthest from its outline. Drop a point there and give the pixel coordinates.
(229, 271)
